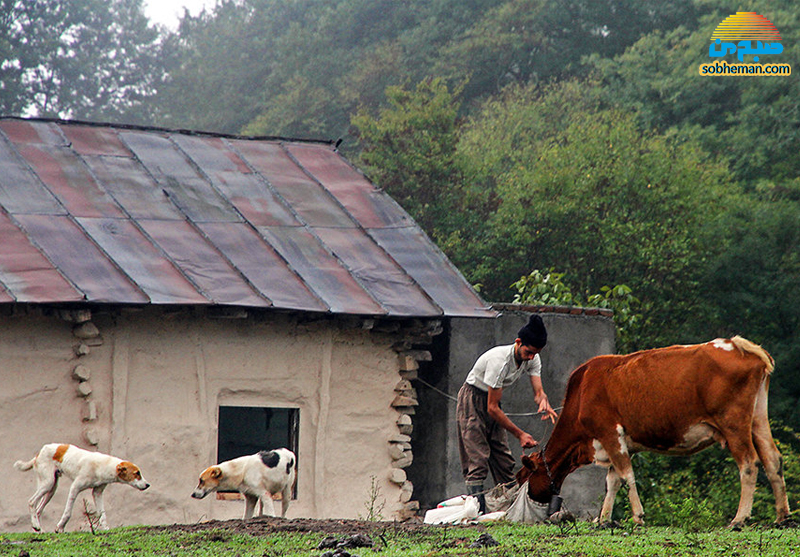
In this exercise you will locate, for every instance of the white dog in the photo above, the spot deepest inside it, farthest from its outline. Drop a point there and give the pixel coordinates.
(257, 477)
(86, 469)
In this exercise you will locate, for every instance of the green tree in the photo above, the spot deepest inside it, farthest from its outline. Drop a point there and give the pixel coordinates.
(218, 61)
(753, 285)
(599, 199)
(410, 151)
(753, 122)
(524, 41)
(538, 288)
(85, 59)
(303, 67)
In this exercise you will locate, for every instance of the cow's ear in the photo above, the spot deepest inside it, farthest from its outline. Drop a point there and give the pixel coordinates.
(529, 463)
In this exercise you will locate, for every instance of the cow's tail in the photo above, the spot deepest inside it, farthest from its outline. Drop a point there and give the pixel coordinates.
(746, 346)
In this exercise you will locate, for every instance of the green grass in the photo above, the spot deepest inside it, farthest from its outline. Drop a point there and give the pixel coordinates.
(581, 540)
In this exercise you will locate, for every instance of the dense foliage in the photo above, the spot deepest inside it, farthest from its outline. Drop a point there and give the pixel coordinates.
(84, 59)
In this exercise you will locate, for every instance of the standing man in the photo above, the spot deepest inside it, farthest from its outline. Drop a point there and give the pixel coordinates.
(482, 424)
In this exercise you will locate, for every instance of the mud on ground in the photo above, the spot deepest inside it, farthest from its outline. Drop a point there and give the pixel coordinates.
(263, 526)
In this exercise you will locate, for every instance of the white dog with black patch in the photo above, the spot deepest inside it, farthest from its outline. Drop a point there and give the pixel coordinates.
(258, 477)
(86, 469)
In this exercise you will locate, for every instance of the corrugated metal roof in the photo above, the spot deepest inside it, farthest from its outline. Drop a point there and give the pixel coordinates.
(124, 215)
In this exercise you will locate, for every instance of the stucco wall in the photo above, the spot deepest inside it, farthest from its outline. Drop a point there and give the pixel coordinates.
(572, 339)
(157, 380)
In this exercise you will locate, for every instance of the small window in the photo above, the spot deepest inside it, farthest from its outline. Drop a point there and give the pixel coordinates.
(245, 430)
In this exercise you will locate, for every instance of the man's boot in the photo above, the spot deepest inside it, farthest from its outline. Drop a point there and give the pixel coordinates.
(475, 488)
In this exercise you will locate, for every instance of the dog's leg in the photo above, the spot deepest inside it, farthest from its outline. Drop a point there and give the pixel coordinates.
(45, 499)
(286, 497)
(250, 505)
(45, 488)
(76, 487)
(268, 505)
(97, 496)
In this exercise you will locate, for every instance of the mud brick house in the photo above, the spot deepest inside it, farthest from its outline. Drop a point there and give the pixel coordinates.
(179, 298)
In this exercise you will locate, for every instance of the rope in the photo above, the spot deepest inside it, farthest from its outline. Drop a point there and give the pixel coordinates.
(495, 486)
(444, 394)
(453, 399)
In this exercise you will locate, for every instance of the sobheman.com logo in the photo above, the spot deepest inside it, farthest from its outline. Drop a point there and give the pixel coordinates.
(745, 34)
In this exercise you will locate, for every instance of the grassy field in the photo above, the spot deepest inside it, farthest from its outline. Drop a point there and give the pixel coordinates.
(390, 540)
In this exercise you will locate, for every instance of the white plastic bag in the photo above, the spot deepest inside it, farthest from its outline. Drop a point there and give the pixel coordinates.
(456, 501)
(491, 517)
(453, 514)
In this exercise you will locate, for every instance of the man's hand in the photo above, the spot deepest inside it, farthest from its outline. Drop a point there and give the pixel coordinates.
(546, 410)
(526, 441)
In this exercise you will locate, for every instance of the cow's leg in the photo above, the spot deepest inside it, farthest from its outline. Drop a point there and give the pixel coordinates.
(617, 450)
(740, 443)
(769, 455)
(613, 483)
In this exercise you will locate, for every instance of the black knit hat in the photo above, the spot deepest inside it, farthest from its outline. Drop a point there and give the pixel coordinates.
(534, 333)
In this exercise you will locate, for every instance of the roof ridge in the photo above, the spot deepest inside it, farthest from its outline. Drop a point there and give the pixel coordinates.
(543, 308)
(183, 131)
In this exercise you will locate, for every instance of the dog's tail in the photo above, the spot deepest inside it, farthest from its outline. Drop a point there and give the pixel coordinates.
(25, 466)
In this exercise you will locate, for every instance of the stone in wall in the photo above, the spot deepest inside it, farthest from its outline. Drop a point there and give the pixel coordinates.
(404, 424)
(400, 450)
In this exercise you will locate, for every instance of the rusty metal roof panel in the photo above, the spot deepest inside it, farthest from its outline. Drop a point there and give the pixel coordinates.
(262, 266)
(180, 180)
(378, 274)
(26, 274)
(68, 178)
(432, 271)
(21, 191)
(142, 261)
(324, 274)
(370, 207)
(31, 132)
(80, 260)
(93, 140)
(201, 263)
(126, 180)
(229, 174)
(306, 196)
(130, 215)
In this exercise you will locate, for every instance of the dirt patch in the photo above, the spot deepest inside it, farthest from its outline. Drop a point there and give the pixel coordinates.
(264, 526)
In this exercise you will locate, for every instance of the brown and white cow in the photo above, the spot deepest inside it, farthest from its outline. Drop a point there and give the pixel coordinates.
(676, 400)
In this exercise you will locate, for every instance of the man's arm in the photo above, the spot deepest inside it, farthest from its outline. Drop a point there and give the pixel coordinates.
(497, 414)
(540, 397)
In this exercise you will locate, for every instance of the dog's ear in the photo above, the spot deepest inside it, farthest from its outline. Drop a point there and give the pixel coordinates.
(127, 471)
(216, 473)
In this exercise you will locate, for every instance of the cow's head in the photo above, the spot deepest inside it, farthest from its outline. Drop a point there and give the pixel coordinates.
(540, 488)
